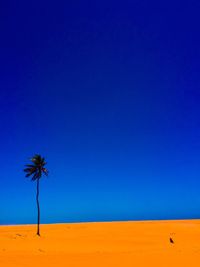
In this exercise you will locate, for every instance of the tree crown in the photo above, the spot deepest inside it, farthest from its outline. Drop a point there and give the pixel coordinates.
(36, 168)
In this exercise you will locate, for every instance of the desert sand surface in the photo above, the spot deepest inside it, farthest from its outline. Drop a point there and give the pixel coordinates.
(145, 243)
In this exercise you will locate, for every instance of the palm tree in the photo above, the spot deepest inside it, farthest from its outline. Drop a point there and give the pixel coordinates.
(36, 170)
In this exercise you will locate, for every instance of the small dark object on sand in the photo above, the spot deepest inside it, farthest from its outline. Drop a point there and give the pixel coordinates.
(171, 240)
(18, 235)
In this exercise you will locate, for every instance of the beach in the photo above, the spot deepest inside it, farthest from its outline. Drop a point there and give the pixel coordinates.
(139, 243)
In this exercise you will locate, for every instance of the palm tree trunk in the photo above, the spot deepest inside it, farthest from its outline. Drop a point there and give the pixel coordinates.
(38, 209)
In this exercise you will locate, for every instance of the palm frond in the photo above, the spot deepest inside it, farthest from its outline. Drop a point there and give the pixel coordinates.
(36, 168)
(45, 171)
(28, 174)
(30, 166)
(36, 176)
(31, 172)
(30, 169)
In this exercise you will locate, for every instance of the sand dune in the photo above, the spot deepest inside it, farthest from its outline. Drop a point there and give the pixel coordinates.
(102, 244)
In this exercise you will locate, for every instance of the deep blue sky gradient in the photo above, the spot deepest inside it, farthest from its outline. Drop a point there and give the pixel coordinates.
(109, 93)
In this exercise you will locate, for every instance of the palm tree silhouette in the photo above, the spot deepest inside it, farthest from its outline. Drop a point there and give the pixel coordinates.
(36, 170)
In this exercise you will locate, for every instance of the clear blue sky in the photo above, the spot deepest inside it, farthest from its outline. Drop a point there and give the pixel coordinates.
(109, 93)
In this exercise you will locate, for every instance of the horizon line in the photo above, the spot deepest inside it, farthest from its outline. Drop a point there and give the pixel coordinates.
(110, 221)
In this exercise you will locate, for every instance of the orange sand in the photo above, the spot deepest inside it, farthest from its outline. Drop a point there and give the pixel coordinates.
(102, 244)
